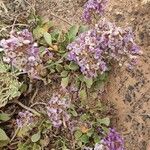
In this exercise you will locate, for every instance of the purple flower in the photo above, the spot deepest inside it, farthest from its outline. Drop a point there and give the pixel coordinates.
(22, 53)
(93, 6)
(25, 119)
(113, 141)
(57, 110)
(93, 50)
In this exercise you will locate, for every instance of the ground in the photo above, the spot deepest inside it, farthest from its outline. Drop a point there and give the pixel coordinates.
(127, 93)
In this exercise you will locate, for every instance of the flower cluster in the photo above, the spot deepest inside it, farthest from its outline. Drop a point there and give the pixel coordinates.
(113, 141)
(57, 110)
(97, 6)
(21, 52)
(96, 147)
(25, 119)
(93, 50)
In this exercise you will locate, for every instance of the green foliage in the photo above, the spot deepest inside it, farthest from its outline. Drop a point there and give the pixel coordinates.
(4, 117)
(48, 38)
(4, 139)
(104, 121)
(36, 137)
(72, 33)
(65, 82)
(9, 87)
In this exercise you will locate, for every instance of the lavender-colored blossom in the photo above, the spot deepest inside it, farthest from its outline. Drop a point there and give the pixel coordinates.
(21, 52)
(25, 119)
(113, 141)
(93, 6)
(57, 109)
(97, 146)
(95, 49)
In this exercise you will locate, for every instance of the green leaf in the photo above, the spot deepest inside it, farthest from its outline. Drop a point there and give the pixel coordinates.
(83, 96)
(73, 66)
(3, 136)
(24, 131)
(83, 28)
(84, 138)
(84, 117)
(4, 139)
(36, 137)
(88, 81)
(104, 121)
(90, 132)
(36, 147)
(65, 82)
(96, 138)
(23, 88)
(77, 134)
(73, 112)
(4, 116)
(48, 38)
(64, 73)
(55, 35)
(59, 67)
(38, 32)
(73, 32)
(3, 67)
(103, 77)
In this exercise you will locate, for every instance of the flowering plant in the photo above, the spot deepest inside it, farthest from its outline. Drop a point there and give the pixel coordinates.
(93, 6)
(22, 53)
(95, 49)
(56, 110)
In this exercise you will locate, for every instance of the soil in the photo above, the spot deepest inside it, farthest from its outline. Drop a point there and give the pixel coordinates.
(128, 91)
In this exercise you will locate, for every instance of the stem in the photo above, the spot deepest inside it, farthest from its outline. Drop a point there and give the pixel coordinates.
(38, 103)
(27, 108)
(61, 19)
(34, 95)
(14, 134)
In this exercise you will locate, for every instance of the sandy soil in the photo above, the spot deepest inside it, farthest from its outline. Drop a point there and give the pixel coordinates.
(128, 91)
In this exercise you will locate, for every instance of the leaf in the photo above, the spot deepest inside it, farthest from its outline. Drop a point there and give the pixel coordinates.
(59, 67)
(77, 134)
(38, 32)
(90, 132)
(88, 81)
(64, 73)
(96, 138)
(24, 131)
(36, 137)
(64, 82)
(83, 96)
(4, 116)
(23, 88)
(4, 139)
(103, 77)
(55, 35)
(84, 117)
(73, 112)
(3, 67)
(73, 32)
(48, 38)
(104, 121)
(73, 66)
(36, 147)
(83, 28)
(84, 138)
